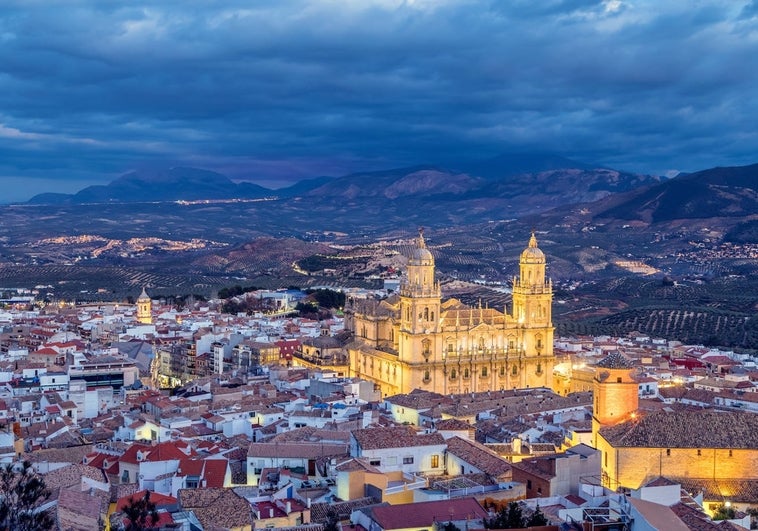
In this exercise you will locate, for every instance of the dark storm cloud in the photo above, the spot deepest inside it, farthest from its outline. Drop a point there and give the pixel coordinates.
(283, 90)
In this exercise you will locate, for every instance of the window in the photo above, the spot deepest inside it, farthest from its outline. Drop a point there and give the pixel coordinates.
(730, 453)
(407, 460)
(426, 347)
(528, 483)
(699, 452)
(668, 452)
(375, 462)
(618, 380)
(484, 371)
(435, 461)
(453, 374)
(465, 373)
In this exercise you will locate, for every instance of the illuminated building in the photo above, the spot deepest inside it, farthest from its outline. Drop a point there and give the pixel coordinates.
(415, 339)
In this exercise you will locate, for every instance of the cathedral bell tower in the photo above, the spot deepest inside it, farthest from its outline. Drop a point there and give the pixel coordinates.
(532, 311)
(420, 299)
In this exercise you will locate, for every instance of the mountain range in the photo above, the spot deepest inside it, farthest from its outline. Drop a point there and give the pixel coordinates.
(516, 183)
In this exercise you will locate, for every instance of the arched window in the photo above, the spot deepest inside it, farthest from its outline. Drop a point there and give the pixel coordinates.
(514, 371)
(465, 373)
(484, 371)
(426, 347)
(426, 376)
(453, 374)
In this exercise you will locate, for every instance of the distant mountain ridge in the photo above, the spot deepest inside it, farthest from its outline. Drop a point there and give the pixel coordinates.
(172, 184)
(537, 180)
(452, 195)
(729, 192)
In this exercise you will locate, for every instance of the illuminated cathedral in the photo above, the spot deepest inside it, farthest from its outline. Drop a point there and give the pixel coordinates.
(416, 340)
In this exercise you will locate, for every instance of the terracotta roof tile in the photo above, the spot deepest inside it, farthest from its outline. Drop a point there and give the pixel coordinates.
(479, 456)
(686, 429)
(394, 437)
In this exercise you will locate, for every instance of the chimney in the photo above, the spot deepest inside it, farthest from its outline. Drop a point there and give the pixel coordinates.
(308, 503)
(289, 507)
(271, 512)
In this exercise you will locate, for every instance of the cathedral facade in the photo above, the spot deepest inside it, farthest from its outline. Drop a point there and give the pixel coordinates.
(416, 340)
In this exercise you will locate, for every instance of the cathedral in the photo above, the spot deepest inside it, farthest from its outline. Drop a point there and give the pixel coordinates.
(416, 340)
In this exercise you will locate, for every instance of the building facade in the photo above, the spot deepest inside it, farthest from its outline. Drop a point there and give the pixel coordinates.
(696, 447)
(417, 340)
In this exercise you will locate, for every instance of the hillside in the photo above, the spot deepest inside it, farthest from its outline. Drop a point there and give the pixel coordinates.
(714, 193)
(160, 185)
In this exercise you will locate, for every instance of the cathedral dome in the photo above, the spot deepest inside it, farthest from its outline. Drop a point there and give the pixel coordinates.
(532, 254)
(421, 255)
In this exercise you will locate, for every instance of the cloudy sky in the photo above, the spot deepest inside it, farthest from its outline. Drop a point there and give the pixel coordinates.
(274, 91)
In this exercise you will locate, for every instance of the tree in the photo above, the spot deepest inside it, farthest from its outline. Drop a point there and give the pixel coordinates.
(537, 519)
(515, 517)
(724, 512)
(141, 513)
(332, 522)
(22, 492)
(327, 298)
(510, 517)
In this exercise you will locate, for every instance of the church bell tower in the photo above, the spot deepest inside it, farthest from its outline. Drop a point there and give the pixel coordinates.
(420, 301)
(532, 312)
(144, 308)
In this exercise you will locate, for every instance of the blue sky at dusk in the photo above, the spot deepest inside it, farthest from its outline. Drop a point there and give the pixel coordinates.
(275, 91)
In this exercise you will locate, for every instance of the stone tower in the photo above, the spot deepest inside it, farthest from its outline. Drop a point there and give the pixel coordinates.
(615, 392)
(532, 307)
(144, 308)
(420, 301)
